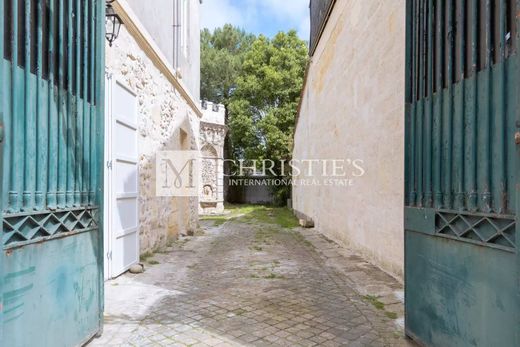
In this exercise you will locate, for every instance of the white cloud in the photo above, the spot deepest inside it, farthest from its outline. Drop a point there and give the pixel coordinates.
(216, 13)
(255, 14)
(304, 30)
(291, 10)
(295, 13)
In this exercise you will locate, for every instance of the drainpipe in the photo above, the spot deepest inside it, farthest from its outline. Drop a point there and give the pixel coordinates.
(176, 33)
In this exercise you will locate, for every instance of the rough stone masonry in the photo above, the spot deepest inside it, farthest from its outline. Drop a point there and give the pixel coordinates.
(165, 122)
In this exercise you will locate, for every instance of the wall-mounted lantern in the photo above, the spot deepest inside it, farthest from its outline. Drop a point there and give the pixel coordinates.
(112, 23)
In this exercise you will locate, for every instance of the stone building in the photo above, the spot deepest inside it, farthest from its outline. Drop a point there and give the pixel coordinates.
(352, 108)
(152, 88)
(212, 135)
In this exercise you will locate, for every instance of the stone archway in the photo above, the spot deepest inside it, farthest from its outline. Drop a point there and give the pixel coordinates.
(209, 176)
(183, 211)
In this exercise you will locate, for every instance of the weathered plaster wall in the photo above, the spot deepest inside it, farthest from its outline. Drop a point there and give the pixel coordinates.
(157, 16)
(352, 108)
(165, 122)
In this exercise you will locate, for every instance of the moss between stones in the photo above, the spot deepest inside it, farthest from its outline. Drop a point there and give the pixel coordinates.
(145, 256)
(374, 300)
(252, 214)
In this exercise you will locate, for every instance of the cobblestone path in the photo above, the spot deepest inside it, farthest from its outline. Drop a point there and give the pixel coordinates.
(246, 283)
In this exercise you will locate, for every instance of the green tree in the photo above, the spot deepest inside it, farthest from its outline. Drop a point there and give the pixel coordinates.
(222, 55)
(263, 106)
(259, 80)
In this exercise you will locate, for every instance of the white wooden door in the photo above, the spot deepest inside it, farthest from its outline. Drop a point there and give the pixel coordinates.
(122, 190)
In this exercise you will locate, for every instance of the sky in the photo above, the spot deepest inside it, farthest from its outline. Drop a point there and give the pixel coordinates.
(266, 17)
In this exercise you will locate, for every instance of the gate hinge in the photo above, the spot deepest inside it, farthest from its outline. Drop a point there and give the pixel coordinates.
(1, 133)
(109, 164)
(109, 255)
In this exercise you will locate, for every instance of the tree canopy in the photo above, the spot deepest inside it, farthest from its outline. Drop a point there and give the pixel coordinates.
(259, 80)
(264, 104)
(222, 55)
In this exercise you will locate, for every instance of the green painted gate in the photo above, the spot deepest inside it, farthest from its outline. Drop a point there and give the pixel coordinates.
(51, 113)
(462, 263)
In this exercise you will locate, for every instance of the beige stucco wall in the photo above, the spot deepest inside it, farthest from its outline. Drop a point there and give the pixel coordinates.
(353, 108)
(165, 122)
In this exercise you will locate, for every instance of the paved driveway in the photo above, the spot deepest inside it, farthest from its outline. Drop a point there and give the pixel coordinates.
(251, 282)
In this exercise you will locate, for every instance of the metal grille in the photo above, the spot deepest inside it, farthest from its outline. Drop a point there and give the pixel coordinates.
(50, 84)
(23, 228)
(461, 172)
(489, 230)
(454, 39)
(53, 39)
(462, 92)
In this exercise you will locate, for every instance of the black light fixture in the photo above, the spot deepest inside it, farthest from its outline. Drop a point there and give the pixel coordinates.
(112, 23)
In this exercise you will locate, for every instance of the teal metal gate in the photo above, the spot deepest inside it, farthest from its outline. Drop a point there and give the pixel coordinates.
(462, 120)
(51, 113)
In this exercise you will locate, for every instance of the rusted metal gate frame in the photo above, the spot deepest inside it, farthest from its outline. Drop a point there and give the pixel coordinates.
(462, 165)
(47, 205)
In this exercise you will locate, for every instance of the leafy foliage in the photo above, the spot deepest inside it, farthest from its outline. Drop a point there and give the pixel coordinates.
(264, 104)
(259, 80)
(222, 55)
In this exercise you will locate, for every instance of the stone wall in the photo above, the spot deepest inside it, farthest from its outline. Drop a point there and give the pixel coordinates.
(353, 108)
(211, 181)
(241, 193)
(165, 122)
